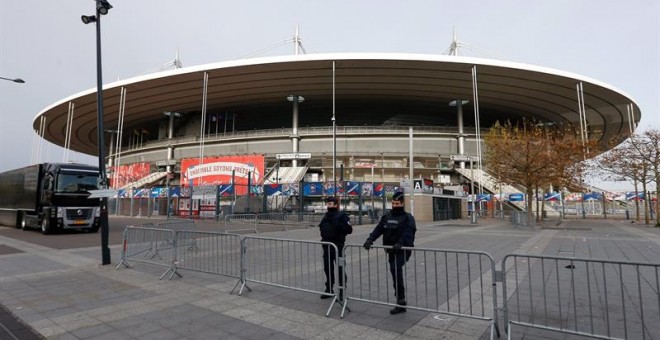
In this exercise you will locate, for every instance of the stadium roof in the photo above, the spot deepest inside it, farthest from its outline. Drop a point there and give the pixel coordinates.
(546, 94)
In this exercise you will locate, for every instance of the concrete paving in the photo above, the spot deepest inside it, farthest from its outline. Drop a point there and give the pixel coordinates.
(66, 294)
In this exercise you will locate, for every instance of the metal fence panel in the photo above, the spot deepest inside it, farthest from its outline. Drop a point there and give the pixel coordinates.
(271, 217)
(176, 224)
(453, 282)
(519, 219)
(287, 263)
(209, 252)
(598, 298)
(147, 245)
(305, 217)
(241, 222)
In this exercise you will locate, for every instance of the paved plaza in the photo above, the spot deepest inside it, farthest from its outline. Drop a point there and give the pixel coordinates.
(66, 294)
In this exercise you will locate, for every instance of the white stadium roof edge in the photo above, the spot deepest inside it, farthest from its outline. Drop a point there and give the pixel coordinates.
(542, 93)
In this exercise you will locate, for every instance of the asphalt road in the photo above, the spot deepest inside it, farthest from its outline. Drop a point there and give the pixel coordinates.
(72, 239)
(75, 239)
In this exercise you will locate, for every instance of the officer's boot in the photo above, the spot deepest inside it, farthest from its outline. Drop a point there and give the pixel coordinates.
(328, 290)
(397, 309)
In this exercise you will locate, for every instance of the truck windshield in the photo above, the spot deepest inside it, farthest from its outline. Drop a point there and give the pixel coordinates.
(76, 182)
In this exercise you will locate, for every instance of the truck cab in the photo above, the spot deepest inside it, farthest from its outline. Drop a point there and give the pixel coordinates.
(64, 202)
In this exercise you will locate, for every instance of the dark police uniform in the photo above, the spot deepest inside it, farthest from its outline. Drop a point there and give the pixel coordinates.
(334, 227)
(398, 229)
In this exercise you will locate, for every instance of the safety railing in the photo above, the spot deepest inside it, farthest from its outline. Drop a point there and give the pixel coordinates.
(304, 217)
(241, 222)
(147, 245)
(519, 219)
(208, 252)
(287, 263)
(453, 282)
(271, 217)
(598, 298)
(179, 225)
(587, 297)
(176, 224)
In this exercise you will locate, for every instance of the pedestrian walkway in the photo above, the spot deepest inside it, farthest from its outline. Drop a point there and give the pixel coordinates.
(66, 294)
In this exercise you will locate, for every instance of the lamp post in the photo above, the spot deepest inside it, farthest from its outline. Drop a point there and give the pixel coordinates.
(474, 195)
(15, 80)
(102, 8)
(334, 136)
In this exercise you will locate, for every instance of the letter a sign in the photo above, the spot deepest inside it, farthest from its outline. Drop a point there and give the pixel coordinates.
(418, 185)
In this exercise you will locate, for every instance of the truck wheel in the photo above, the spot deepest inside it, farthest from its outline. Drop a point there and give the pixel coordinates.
(19, 219)
(24, 224)
(94, 229)
(45, 226)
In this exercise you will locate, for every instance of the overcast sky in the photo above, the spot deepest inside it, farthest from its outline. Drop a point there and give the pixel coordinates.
(46, 44)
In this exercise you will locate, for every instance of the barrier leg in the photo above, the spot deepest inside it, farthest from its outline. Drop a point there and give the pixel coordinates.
(339, 302)
(334, 299)
(173, 270)
(236, 285)
(123, 261)
(240, 291)
(344, 308)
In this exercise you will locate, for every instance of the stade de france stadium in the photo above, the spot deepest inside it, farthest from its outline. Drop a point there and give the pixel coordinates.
(268, 123)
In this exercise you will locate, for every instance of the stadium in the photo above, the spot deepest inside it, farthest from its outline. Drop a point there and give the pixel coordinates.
(278, 133)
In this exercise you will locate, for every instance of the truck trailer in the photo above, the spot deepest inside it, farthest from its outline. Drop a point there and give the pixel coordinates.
(50, 196)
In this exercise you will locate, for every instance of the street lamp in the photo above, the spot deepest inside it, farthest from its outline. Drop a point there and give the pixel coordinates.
(474, 194)
(15, 80)
(102, 8)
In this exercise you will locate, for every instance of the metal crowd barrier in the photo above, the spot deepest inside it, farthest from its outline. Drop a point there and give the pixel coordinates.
(244, 220)
(271, 217)
(176, 224)
(519, 219)
(453, 282)
(211, 252)
(598, 298)
(179, 225)
(586, 297)
(305, 217)
(147, 245)
(286, 263)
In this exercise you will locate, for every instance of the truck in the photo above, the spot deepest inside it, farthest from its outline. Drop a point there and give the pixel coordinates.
(50, 196)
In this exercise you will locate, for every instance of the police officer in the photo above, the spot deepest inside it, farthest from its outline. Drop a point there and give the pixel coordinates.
(398, 229)
(334, 227)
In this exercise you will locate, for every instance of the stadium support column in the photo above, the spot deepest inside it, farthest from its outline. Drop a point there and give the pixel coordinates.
(170, 135)
(410, 170)
(168, 168)
(461, 130)
(111, 153)
(295, 138)
(170, 156)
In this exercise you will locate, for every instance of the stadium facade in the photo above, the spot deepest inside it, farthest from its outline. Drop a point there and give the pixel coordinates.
(395, 116)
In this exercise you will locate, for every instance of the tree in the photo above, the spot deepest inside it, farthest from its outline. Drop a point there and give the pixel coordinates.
(625, 162)
(532, 156)
(648, 148)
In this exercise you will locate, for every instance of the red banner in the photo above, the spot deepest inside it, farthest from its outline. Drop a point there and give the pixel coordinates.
(218, 170)
(125, 174)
